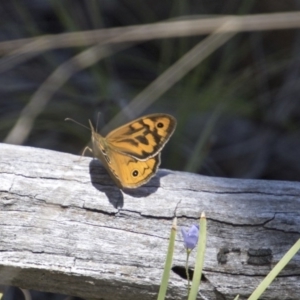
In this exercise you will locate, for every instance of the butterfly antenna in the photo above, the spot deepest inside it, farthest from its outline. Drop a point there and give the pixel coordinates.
(69, 119)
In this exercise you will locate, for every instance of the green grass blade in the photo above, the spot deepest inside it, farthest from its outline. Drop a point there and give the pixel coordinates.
(275, 271)
(199, 259)
(168, 264)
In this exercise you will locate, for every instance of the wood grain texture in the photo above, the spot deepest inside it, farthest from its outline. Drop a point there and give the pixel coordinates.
(65, 227)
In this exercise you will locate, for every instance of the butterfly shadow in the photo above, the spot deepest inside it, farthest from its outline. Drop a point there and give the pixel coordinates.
(102, 182)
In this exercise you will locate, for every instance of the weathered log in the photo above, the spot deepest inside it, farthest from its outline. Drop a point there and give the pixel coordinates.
(65, 227)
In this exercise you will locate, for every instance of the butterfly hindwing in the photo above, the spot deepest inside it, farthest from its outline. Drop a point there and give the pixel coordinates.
(136, 172)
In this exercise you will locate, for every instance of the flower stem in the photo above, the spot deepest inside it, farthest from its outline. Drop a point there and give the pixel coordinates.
(188, 251)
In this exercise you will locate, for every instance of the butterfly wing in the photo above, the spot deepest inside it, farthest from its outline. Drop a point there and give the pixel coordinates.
(131, 172)
(131, 153)
(144, 137)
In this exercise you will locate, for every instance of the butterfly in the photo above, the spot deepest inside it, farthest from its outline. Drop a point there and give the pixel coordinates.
(131, 153)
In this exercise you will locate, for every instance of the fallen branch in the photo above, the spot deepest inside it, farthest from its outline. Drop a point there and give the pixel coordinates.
(65, 227)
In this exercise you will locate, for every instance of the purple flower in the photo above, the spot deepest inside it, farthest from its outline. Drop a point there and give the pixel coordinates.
(190, 237)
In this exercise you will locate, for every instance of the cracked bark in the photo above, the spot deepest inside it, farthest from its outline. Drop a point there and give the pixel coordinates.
(65, 227)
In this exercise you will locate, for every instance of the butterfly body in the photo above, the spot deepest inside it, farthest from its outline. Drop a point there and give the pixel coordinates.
(131, 153)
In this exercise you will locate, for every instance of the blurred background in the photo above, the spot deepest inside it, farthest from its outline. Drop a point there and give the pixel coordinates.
(237, 110)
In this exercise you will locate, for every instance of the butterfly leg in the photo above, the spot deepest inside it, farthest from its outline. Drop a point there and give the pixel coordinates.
(84, 150)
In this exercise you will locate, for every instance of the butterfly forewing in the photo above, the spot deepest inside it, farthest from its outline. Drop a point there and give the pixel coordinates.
(144, 137)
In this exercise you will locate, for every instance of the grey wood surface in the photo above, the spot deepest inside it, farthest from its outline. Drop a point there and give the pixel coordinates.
(65, 227)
